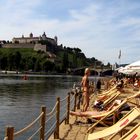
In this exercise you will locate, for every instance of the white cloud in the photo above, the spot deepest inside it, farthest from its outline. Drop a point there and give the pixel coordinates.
(99, 29)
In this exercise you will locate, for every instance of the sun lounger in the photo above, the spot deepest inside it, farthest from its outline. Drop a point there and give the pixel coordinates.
(99, 119)
(133, 134)
(111, 98)
(136, 97)
(116, 128)
(108, 92)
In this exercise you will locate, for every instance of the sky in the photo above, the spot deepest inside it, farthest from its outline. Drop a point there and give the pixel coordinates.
(100, 28)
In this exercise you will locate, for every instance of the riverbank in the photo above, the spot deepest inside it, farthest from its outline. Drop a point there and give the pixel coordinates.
(77, 127)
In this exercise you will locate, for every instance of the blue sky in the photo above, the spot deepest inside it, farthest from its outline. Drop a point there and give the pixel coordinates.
(100, 28)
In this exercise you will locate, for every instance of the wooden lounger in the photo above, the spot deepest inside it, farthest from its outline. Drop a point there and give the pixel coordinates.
(116, 128)
(133, 134)
(99, 119)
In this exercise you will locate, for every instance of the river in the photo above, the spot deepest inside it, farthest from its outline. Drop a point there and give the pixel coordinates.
(21, 100)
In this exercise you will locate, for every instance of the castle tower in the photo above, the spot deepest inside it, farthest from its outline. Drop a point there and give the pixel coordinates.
(56, 39)
(44, 37)
(31, 35)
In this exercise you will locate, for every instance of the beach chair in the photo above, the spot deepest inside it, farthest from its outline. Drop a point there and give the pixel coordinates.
(105, 103)
(133, 134)
(105, 94)
(111, 98)
(134, 99)
(100, 119)
(108, 92)
(117, 127)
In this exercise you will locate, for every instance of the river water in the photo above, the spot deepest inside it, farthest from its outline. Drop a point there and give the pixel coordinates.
(21, 100)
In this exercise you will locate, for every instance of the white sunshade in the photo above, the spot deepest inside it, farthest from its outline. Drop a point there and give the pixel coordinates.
(131, 68)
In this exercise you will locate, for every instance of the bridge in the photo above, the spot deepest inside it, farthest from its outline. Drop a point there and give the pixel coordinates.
(94, 71)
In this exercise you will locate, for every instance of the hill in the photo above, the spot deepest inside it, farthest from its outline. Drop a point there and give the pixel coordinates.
(56, 58)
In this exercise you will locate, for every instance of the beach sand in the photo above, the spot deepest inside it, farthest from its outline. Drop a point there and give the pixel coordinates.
(77, 131)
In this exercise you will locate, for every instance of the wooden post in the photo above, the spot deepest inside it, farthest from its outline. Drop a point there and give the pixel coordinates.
(10, 133)
(68, 109)
(56, 133)
(42, 123)
(75, 101)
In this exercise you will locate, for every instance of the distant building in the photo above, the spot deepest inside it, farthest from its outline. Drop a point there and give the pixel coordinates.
(34, 40)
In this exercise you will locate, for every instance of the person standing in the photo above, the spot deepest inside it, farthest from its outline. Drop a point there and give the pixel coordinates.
(85, 87)
(98, 85)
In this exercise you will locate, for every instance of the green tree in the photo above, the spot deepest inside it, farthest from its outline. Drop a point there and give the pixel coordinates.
(11, 61)
(74, 60)
(37, 65)
(65, 63)
(48, 66)
(33, 62)
(17, 59)
(4, 62)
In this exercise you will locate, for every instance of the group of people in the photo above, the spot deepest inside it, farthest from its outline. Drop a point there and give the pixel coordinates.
(86, 95)
(88, 87)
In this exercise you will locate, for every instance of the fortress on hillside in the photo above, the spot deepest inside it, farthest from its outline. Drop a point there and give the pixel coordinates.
(32, 39)
(32, 42)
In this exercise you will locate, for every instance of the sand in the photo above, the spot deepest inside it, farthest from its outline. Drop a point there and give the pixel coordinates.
(77, 131)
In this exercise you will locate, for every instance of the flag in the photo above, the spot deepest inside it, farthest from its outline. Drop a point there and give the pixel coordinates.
(119, 54)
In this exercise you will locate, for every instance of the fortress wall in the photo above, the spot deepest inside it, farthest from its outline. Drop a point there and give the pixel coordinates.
(38, 47)
(23, 45)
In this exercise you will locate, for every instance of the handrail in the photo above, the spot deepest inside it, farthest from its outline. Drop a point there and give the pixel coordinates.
(50, 128)
(30, 138)
(63, 106)
(50, 117)
(72, 100)
(64, 115)
(29, 126)
(49, 114)
(72, 97)
(45, 118)
(64, 99)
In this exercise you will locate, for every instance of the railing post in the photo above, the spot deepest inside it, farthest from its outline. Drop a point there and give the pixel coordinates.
(68, 109)
(10, 133)
(56, 133)
(75, 101)
(42, 123)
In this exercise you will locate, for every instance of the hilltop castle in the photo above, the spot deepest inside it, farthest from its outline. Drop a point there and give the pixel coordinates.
(32, 39)
(32, 42)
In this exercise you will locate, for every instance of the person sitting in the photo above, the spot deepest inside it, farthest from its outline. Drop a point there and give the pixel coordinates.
(95, 112)
(120, 85)
(136, 85)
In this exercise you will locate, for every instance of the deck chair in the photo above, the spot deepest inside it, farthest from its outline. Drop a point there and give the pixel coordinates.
(108, 92)
(117, 127)
(133, 134)
(136, 96)
(99, 119)
(110, 99)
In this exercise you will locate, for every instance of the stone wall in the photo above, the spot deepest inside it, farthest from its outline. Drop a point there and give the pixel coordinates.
(38, 47)
(23, 45)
